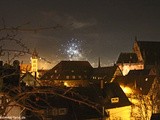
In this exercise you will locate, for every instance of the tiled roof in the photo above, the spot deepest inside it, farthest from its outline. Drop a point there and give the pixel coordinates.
(65, 68)
(74, 64)
(127, 58)
(106, 73)
(139, 72)
(141, 83)
(150, 52)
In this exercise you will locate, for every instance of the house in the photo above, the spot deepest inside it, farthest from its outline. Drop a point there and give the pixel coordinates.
(145, 55)
(142, 91)
(41, 72)
(80, 103)
(79, 73)
(25, 68)
(64, 103)
(147, 52)
(69, 73)
(30, 80)
(116, 103)
(85, 101)
(140, 72)
(129, 61)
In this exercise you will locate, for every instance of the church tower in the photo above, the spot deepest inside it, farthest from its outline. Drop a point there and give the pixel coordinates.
(34, 62)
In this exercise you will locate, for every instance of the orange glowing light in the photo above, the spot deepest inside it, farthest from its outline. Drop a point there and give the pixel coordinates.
(126, 89)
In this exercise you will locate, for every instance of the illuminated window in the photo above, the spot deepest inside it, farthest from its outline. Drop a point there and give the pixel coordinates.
(72, 71)
(62, 111)
(59, 111)
(73, 77)
(146, 79)
(34, 61)
(67, 77)
(34, 65)
(55, 112)
(55, 71)
(115, 100)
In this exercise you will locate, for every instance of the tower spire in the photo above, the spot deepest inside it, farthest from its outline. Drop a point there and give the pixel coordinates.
(99, 62)
(135, 38)
(35, 53)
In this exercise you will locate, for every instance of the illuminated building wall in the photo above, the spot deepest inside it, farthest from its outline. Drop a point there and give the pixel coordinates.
(143, 103)
(137, 50)
(120, 113)
(126, 67)
(25, 68)
(34, 63)
(73, 83)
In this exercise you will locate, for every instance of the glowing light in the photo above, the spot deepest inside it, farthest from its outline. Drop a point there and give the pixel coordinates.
(73, 49)
(66, 84)
(126, 89)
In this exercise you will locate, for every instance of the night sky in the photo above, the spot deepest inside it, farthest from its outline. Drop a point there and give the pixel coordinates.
(97, 28)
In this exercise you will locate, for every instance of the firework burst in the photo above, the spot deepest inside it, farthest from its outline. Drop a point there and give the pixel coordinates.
(73, 49)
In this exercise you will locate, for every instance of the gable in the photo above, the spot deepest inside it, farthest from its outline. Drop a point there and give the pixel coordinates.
(138, 83)
(136, 49)
(150, 52)
(106, 73)
(28, 79)
(139, 72)
(114, 96)
(127, 58)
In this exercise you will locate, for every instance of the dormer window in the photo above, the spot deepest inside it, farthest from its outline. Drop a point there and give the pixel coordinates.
(115, 100)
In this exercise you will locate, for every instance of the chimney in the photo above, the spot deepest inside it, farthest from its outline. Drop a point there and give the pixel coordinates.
(1, 63)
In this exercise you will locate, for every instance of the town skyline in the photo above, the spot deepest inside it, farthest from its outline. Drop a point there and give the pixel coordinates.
(103, 28)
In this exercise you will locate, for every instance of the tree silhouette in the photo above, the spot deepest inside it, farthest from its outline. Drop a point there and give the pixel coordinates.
(33, 99)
